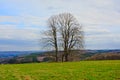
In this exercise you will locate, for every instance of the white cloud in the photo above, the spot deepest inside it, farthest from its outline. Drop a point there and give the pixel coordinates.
(11, 32)
(87, 12)
(26, 20)
(18, 48)
(95, 29)
(12, 19)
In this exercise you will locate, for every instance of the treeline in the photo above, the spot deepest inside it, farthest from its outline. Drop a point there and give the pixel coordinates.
(105, 56)
(49, 56)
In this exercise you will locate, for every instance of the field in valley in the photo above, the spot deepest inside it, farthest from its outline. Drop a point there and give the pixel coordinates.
(83, 70)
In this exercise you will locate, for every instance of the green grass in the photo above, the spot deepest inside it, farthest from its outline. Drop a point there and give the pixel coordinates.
(83, 70)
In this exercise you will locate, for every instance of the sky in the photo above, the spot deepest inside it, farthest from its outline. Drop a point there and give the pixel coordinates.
(21, 22)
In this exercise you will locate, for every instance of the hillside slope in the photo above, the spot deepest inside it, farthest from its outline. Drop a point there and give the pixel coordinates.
(84, 70)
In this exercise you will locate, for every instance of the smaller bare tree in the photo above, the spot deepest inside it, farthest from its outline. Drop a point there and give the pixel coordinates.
(51, 35)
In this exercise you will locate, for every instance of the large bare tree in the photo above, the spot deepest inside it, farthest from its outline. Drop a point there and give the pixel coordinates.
(71, 33)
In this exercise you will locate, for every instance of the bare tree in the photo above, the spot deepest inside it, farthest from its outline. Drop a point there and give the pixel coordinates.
(51, 35)
(71, 33)
(65, 27)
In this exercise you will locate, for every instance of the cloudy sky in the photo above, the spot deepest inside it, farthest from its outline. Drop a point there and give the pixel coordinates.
(21, 22)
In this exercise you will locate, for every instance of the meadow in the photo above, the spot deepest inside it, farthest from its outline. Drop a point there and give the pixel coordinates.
(83, 70)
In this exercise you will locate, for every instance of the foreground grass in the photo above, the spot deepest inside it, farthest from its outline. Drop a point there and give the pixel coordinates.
(84, 70)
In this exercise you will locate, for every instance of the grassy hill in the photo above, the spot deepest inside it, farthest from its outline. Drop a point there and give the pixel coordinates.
(83, 70)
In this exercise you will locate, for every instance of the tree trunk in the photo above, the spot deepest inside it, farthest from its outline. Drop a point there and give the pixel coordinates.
(56, 45)
(56, 54)
(66, 57)
(62, 57)
(56, 58)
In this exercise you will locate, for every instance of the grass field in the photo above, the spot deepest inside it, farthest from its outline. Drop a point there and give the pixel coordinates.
(83, 70)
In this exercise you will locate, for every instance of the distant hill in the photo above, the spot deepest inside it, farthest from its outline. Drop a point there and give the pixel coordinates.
(89, 54)
(105, 56)
(49, 56)
(11, 54)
